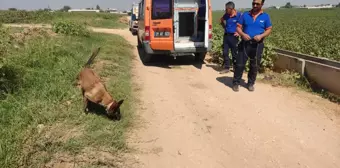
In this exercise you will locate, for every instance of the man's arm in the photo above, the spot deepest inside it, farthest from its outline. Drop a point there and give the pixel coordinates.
(238, 20)
(266, 33)
(222, 21)
(240, 31)
(268, 25)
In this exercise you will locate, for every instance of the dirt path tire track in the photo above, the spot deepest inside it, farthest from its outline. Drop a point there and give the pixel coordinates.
(190, 118)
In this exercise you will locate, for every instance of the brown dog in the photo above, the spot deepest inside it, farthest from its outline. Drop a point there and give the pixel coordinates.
(95, 91)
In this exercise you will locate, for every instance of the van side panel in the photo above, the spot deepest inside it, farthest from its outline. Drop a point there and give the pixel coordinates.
(141, 20)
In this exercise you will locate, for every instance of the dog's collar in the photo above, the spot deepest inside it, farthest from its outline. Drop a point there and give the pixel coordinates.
(109, 105)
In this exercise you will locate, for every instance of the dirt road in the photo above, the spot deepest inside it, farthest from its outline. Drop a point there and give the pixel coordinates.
(193, 119)
(190, 117)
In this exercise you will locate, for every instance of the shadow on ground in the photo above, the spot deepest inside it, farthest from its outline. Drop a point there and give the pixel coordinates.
(228, 81)
(215, 67)
(168, 62)
(218, 67)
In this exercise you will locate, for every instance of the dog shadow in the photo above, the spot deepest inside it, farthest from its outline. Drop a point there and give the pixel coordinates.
(99, 110)
(228, 81)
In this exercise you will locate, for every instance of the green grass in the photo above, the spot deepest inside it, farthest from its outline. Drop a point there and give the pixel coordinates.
(105, 20)
(301, 30)
(41, 118)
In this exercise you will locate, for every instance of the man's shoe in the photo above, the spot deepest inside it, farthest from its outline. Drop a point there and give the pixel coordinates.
(235, 88)
(224, 71)
(251, 88)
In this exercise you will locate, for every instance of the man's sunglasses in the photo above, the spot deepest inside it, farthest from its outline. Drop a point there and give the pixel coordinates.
(255, 3)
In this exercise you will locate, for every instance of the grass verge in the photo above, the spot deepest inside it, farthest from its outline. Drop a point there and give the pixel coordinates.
(42, 122)
(294, 79)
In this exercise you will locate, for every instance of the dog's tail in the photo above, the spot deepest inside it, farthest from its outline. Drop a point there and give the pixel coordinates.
(94, 54)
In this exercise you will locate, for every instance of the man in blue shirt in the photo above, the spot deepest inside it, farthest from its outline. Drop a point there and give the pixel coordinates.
(230, 39)
(253, 27)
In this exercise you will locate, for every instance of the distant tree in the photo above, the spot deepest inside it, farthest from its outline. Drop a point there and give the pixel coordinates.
(65, 8)
(98, 7)
(288, 5)
(12, 9)
(338, 5)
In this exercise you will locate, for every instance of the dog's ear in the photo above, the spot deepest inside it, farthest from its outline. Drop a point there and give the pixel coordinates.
(116, 106)
(120, 102)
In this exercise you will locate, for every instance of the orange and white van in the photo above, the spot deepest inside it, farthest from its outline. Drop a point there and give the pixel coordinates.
(174, 27)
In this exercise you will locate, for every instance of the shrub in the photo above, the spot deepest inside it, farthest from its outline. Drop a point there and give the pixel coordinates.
(25, 16)
(4, 42)
(70, 28)
(9, 73)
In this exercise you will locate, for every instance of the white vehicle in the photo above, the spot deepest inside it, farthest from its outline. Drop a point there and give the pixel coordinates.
(133, 24)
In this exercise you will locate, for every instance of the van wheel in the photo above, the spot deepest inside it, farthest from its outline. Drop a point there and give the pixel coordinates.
(139, 44)
(145, 57)
(199, 57)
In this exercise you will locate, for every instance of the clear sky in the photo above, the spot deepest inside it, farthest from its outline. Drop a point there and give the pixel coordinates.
(126, 4)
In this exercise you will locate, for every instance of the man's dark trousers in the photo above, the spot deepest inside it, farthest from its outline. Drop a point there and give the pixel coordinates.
(229, 42)
(252, 50)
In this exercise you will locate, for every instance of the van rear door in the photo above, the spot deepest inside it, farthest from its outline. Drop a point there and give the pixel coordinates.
(191, 24)
(161, 25)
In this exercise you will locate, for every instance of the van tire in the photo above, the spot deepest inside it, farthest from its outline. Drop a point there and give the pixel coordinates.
(199, 57)
(145, 57)
(139, 44)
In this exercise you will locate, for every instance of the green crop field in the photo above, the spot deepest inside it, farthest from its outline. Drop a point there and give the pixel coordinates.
(314, 31)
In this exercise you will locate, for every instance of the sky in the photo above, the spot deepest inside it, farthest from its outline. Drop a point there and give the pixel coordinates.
(126, 4)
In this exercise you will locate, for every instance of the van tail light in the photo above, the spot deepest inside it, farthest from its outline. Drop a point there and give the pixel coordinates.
(147, 33)
(210, 32)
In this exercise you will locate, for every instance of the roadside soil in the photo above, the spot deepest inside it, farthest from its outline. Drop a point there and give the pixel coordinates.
(188, 116)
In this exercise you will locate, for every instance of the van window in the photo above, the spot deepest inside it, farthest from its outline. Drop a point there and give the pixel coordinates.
(161, 9)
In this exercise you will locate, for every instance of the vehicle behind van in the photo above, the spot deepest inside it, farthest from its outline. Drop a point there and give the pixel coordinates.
(133, 23)
(174, 27)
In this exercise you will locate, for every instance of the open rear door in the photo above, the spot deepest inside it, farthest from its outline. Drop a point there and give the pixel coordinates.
(207, 30)
(161, 25)
(191, 25)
